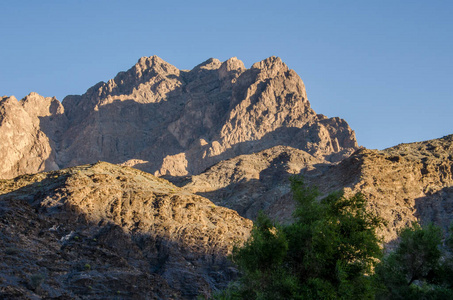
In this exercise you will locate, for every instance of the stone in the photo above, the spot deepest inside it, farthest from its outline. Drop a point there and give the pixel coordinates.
(106, 231)
(178, 122)
(403, 184)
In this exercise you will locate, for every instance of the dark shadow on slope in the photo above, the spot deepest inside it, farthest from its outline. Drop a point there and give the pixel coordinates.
(271, 192)
(83, 258)
(305, 138)
(436, 208)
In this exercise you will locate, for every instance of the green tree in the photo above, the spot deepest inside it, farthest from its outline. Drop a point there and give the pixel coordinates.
(327, 253)
(261, 261)
(333, 245)
(417, 268)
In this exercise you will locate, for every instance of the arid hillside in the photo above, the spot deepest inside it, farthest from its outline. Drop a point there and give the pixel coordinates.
(221, 141)
(105, 231)
(404, 183)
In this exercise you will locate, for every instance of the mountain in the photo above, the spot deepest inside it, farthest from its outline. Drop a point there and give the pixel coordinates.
(226, 137)
(167, 121)
(405, 183)
(106, 231)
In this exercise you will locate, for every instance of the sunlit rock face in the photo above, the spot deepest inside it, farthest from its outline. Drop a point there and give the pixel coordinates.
(405, 183)
(167, 121)
(105, 231)
(29, 131)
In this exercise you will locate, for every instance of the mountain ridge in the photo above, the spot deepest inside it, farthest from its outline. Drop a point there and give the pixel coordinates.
(405, 183)
(227, 137)
(168, 121)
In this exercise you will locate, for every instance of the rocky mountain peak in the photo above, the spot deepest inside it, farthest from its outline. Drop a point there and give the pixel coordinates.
(39, 106)
(8, 100)
(233, 63)
(231, 68)
(269, 63)
(209, 64)
(153, 64)
(166, 121)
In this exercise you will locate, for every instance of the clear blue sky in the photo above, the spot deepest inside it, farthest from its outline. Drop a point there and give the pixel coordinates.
(386, 67)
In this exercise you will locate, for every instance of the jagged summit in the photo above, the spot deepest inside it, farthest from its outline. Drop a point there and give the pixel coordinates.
(269, 63)
(167, 121)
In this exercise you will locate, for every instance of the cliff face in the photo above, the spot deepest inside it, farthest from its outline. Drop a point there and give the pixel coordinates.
(106, 231)
(29, 130)
(167, 121)
(409, 182)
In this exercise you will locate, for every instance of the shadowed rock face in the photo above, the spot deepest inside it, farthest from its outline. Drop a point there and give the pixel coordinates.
(167, 121)
(104, 231)
(405, 183)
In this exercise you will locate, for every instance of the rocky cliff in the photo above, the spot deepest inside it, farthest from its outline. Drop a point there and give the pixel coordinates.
(405, 183)
(28, 131)
(105, 231)
(167, 121)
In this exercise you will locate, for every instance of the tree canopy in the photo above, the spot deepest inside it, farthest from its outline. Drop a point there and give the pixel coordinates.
(418, 268)
(331, 251)
(327, 253)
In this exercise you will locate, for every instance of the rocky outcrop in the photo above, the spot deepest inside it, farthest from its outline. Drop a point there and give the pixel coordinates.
(250, 183)
(105, 231)
(28, 131)
(409, 182)
(167, 121)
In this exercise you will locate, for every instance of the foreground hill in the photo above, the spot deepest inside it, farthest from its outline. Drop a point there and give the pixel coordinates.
(167, 121)
(404, 183)
(105, 231)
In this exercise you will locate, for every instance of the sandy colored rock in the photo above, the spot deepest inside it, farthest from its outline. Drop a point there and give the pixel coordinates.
(158, 114)
(405, 183)
(103, 230)
(27, 134)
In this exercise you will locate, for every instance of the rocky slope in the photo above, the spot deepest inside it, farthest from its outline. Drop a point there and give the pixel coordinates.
(167, 121)
(405, 183)
(105, 231)
(250, 183)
